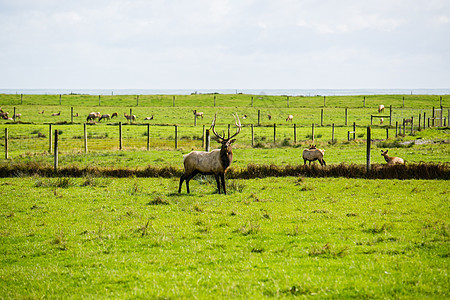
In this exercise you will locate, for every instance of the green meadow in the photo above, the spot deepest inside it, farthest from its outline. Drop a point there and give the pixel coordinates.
(105, 237)
(274, 237)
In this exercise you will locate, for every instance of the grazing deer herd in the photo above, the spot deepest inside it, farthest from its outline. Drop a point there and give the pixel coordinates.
(217, 161)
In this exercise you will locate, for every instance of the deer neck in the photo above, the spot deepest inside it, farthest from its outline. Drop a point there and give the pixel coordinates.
(225, 157)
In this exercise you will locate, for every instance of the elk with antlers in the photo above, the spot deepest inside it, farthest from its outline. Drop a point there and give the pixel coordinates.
(214, 163)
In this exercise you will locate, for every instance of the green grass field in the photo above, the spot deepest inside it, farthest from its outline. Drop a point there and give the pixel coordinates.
(275, 237)
(106, 237)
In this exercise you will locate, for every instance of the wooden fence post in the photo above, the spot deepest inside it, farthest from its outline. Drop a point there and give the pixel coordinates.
(432, 118)
(14, 115)
(369, 140)
(85, 138)
(364, 102)
(60, 101)
(424, 120)
(354, 131)
(312, 132)
(387, 132)
(396, 128)
(137, 100)
(332, 133)
(253, 137)
(287, 101)
(403, 101)
(324, 101)
(214, 100)
(274, 133)
(412, 125)
(321, 117)
(259, 116)
(71, 114)
(120, 135)
(148, 137)
(6, 143)
(50, 134)
(295, 134)
(21, 98)
(203, 137)
(208, 140)
(252, 102)
(420, 115)
(99, 100)
(390, 115)
(173, 101)
(56, 150)
(176, 136)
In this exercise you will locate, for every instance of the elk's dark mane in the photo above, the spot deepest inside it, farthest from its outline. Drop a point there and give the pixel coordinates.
(225, 157)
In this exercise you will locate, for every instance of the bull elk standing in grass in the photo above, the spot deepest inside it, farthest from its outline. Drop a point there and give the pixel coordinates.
(214, 163)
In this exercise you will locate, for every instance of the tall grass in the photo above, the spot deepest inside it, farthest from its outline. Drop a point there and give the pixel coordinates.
(378, 171)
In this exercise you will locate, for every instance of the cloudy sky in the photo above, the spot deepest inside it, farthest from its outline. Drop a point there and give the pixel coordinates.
(221, 44)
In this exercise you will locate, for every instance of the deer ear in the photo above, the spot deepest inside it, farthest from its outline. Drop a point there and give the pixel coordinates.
(232, 141)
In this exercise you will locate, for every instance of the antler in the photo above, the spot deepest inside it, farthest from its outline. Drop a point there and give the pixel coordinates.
(213, 124)
(238, 124)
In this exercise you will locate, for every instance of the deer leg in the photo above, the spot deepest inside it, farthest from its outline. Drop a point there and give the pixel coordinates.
(222, 177)
(218, 182)
(189, 178)
(181, 183)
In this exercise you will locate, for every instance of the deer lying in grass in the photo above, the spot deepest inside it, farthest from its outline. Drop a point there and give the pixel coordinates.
(290, 118)
(380, 108)
(148, 118)
(313, 154)
(391, 160)
(56, 114)
(214, 163)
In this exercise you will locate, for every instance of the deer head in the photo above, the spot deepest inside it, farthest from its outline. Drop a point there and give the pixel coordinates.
(226, 142)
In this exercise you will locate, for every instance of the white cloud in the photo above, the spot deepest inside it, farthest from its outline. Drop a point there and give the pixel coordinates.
(224, 43)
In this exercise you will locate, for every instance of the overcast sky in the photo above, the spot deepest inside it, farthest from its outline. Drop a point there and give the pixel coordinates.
(235, 44)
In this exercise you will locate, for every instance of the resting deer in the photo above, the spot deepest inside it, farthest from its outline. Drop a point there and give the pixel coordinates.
(214, 163)
(391, 160)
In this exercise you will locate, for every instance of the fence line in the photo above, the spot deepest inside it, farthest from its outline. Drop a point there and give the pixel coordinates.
(100, 138)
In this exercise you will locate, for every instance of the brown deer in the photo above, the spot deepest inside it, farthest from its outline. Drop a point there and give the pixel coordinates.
(198, 113)
(214, 163)
(391, 160)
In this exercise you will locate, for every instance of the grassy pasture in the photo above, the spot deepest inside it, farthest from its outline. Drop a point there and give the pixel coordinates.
(100, 237)
(275, 237)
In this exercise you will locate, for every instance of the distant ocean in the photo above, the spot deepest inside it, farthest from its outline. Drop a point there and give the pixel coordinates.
(273, 92)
